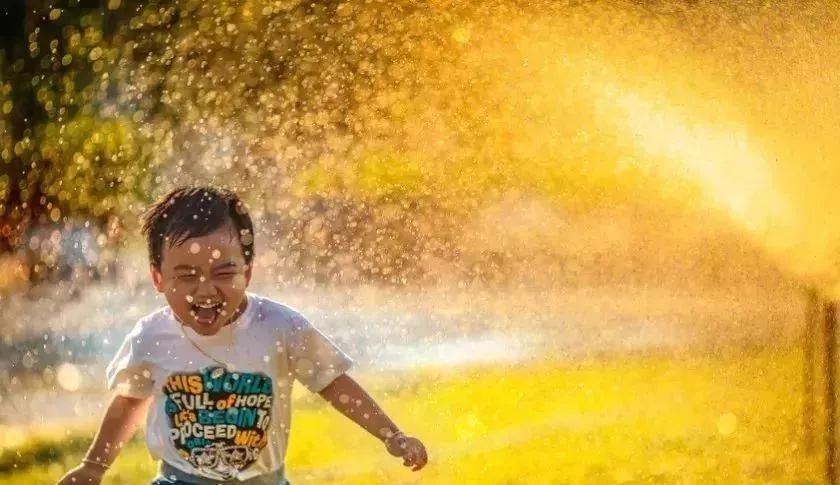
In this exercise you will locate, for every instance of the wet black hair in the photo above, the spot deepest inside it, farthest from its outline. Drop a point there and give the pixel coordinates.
(188, 212)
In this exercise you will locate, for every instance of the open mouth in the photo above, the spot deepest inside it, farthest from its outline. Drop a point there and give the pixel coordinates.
(206, 313)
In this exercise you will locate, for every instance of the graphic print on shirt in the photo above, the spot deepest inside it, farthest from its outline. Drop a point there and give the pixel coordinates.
(219, 419)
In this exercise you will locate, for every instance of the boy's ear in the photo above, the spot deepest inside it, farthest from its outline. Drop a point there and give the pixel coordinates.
(157, 278)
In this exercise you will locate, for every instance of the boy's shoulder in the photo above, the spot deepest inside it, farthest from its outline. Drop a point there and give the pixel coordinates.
(275, 314)
(154, 322)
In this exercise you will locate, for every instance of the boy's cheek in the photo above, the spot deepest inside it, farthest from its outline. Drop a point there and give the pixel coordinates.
(240, 282)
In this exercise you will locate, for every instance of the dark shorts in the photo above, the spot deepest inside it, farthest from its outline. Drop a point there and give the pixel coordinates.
(169, 475)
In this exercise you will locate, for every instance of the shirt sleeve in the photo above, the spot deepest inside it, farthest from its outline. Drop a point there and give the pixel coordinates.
(315, 360)
(128, 374)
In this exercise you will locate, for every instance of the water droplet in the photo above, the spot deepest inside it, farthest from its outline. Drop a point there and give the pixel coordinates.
(461, 35)
(727, 423)
(69, 377)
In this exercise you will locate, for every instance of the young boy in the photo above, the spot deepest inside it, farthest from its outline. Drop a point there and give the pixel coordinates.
(215, 367)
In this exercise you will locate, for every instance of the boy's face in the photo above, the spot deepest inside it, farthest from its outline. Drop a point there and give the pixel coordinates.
(204, 280)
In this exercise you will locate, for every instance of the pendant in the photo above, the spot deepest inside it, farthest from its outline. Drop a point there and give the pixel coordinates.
(217, 372)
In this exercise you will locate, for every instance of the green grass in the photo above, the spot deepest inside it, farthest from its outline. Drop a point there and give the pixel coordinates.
(726, 419)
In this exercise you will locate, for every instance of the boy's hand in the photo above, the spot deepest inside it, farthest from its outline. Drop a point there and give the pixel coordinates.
(83, 475)
(411, 450)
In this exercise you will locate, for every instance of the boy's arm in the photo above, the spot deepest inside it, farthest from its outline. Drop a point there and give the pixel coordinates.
(117, 427)
(350, 399)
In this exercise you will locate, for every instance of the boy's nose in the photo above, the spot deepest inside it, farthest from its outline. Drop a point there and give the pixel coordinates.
(205, 290)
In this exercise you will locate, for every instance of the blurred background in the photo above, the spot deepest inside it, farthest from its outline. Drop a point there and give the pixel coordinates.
(567, 242)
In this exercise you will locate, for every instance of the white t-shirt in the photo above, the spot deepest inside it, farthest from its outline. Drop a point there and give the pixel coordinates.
(215, 422)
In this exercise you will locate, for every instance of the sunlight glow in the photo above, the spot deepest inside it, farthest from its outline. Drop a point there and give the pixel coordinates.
(732, 172)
